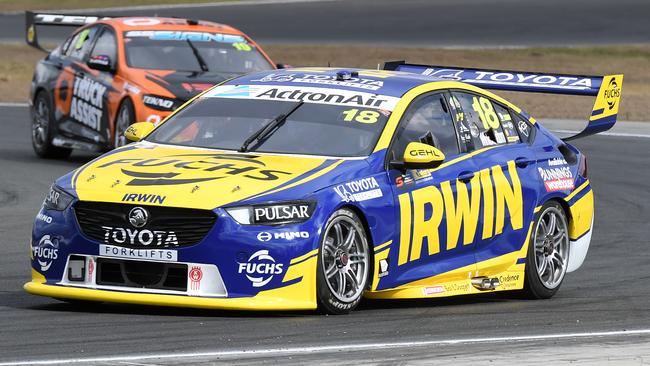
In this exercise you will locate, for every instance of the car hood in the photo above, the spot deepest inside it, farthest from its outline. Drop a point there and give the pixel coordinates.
(151, 174)
(186, 84)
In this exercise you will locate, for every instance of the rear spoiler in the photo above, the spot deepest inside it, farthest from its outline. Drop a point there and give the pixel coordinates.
(606, 89)
(33, 19)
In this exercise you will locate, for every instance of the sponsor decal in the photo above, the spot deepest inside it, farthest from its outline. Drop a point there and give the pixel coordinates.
(154, 254)
(143, 197)
(144, 237)
(456, 287)
(157, 102)
(383, 268)
(91, 267)
(185, 36)
(510, 78)
(196, 87)
(131, 88)
(494, 194)
(46, 252)
(65, 19)
(556, 179)
(557, 161)
(153, 118)
(404, 181)
(359, 190)
(523, 128)
(265, 236)
(612, 93)
(213, 166)
(432, 290)
(474, 130)
(509, 281)
(87, 102)
(399, 181)
(423, 153)
(100, 60)
(260, 268)
(306, 94)
(355, 82)
(135, 22)
(43, 217)
(281, 213)
(195, 275)
(421, 174)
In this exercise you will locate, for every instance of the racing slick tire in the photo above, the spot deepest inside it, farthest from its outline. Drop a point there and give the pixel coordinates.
(548, 252)
(43, 129)
(343, 263)
(124, 118)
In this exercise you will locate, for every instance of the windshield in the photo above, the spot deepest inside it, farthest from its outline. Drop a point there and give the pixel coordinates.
(170, 50)
(310, 129)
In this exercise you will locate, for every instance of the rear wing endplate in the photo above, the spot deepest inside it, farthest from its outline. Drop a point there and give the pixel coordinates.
(35, 19)
(606, 89)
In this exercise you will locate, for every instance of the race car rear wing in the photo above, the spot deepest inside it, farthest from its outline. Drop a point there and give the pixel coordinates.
(607, 89)
(35, 19)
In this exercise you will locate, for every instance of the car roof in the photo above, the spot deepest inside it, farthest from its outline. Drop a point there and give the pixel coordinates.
(173, 24)
(390, 83)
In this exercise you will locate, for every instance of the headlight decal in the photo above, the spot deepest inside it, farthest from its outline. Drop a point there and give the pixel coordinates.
(57, 199)
(273, 213)
(159, 103)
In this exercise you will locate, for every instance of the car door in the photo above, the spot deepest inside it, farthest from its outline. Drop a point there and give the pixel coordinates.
(435, 233)
(105, 50)
(82, 91)
(506, 168)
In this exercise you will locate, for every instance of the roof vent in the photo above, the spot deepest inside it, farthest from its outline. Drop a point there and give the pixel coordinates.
(346, 75)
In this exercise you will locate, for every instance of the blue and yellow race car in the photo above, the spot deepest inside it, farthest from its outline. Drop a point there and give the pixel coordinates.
(312, 188)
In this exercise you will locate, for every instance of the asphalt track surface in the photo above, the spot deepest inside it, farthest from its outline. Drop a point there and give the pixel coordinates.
(609, 293)
(449, 23)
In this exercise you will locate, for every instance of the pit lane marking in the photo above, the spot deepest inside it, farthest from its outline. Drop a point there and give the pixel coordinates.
(324, 349)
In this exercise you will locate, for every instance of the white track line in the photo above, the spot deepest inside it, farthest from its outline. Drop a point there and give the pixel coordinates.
(325, 349)
(13, 104)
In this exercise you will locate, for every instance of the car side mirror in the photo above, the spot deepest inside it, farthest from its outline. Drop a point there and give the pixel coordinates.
(138, 131)
(422, 156)
(283, 66)
(100, 62)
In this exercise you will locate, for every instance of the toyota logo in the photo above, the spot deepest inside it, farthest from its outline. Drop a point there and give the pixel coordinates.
(138, 217)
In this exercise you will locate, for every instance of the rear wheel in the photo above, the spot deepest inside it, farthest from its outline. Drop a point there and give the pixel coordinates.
(43, 129)
(343, 263)
(548, 252)
(125, 117)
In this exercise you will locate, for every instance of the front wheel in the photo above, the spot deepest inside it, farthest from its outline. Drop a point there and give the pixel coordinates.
(125, 117)
(548, 252)
(343, 263)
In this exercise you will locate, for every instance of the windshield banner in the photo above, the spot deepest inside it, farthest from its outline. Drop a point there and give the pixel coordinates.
(184, 36)
(305, 94)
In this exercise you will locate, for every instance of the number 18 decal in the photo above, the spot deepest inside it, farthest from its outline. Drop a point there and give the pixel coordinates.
(360, 116)
(486, 112)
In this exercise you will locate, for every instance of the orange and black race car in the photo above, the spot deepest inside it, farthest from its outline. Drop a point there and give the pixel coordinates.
(112, 72)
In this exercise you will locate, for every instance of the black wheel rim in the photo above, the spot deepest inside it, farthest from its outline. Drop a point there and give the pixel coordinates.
(122, 122)
(40, 122)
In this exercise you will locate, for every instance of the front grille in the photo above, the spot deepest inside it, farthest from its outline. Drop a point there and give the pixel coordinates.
(140, 274)
(166, 227)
